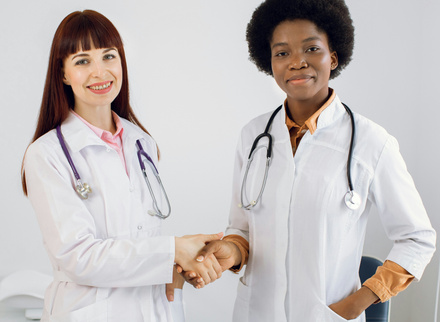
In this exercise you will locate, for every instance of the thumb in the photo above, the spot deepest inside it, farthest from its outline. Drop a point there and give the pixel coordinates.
(170, 292)
(208, 238)
(207, 251)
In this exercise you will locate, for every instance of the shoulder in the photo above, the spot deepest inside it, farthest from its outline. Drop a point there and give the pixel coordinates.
(46, 144)
(372, 140)
(132, 129)
(258, 123)
(134, 132)
(369, 132)
(44, 152)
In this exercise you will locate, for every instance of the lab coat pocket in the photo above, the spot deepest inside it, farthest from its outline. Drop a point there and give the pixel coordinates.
(334, 316)
(177, 308)
(96, 312)
(241, 307)
(323, 313)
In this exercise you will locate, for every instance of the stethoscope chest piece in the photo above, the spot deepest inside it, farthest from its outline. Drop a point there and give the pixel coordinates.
(83, 190)
(353, 200)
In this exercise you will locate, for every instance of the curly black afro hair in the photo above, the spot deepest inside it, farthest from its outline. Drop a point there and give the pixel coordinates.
(330, 16)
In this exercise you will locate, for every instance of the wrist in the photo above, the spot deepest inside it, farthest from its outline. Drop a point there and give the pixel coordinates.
(236, 253)
(177, 249)
(362, 299)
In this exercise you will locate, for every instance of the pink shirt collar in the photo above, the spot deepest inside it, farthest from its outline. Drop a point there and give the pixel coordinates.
(103, 134)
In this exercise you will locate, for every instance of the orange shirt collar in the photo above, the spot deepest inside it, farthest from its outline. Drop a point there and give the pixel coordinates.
(312, 122)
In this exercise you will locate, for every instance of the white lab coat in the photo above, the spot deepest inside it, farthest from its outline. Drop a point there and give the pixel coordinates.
(305, 244)
(110, 262)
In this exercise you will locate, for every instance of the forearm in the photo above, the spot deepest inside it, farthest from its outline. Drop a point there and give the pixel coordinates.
(353, 305)
(241, 251)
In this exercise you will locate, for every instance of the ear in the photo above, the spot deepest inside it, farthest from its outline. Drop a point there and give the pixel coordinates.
(65, 80)
(334, 60)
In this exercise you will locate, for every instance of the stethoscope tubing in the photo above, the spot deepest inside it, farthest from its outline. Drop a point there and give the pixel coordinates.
(350, 151)
(67, 154)
(83, 189)
(141, 152)
(352, 199)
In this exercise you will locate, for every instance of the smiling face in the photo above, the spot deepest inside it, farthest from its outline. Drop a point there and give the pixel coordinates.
(95, 76)
(302, 62)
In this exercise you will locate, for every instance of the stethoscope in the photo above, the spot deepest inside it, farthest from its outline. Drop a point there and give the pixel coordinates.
(83, 189)
(352, 199)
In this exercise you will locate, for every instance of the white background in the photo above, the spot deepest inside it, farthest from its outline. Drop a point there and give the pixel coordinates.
(193, 88)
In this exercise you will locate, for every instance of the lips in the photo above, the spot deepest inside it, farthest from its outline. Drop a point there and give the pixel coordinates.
(299, 78)
(100, 86)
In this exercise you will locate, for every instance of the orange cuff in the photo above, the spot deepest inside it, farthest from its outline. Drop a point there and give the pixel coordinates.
(243, 246)
(389, 280)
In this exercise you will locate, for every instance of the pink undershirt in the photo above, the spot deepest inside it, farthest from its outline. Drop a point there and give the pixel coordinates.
(113, 140)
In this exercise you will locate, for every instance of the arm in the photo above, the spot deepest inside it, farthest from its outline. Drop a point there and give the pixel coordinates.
(353, 306)
(76, 245)
(402, 213)
(225, 252)
(233, 250)
(406, 223)
(389, 280)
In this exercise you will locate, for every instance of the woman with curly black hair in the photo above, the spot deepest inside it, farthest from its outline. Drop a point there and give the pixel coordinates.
(298, 230)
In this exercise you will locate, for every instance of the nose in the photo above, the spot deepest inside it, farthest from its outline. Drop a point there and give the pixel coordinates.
(98, 70)
(298, 62)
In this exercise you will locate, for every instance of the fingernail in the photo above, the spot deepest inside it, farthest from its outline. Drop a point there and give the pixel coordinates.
(200, 280)
(200, 258)
(192, 275)
(170, 298)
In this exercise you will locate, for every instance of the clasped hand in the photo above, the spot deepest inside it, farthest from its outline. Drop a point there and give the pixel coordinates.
(210, 262)
(188, 248)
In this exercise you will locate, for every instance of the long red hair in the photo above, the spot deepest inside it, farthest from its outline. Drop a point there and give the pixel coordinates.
(80, 30)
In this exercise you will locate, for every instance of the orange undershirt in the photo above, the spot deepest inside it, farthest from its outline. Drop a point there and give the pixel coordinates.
(390, 278)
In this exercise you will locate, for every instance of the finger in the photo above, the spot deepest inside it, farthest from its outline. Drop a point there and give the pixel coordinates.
(212, 275)
(211, 237)
(216, 266)
(179, 268)
(206, 277)
(197, 282)
(207, 251)
(170, 292)
(189, 275)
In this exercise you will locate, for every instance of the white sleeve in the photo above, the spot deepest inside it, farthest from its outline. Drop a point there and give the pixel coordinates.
(238, 219)
(402, 212)
(70, 235)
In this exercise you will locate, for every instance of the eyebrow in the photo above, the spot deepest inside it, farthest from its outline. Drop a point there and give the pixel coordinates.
(87, 55)
(279, 44)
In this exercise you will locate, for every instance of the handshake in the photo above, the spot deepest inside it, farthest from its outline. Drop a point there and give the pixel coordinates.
(201, 259)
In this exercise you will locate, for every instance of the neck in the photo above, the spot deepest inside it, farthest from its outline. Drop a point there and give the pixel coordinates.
(100, 117)
(300, 111)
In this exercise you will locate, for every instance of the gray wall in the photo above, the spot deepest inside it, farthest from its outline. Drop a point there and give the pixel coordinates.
(194, 88)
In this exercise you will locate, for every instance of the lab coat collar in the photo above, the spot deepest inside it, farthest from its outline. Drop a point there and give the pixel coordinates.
(329, 115)
(78, 135)
(332, 113)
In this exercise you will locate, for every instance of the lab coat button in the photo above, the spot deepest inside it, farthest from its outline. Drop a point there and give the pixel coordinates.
(108, 149)
(139, 227)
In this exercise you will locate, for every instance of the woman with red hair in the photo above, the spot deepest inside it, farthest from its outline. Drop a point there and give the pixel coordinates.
(109, 259)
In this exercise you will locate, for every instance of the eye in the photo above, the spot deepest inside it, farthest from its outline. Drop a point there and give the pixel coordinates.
(312, 49)
(281, 54)
(109, 56)
(81, 62)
